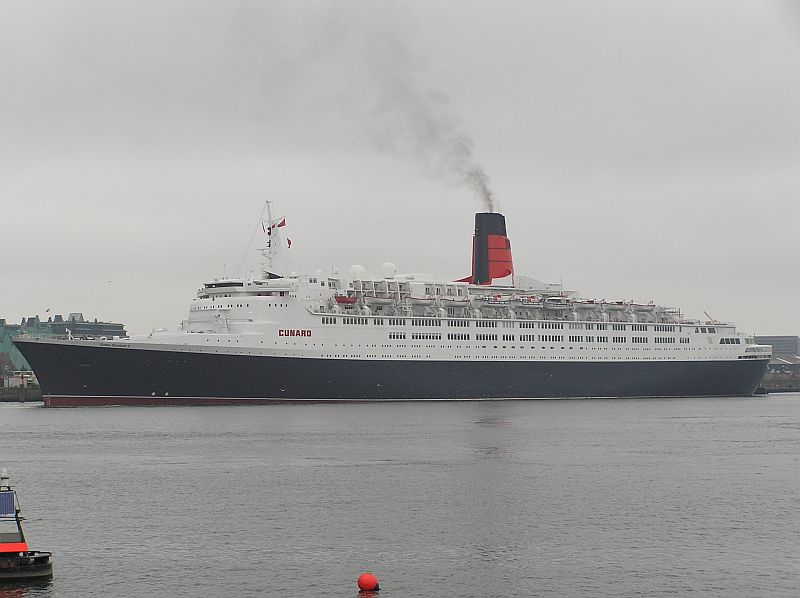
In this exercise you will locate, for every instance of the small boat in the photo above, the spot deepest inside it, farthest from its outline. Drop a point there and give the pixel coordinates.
(587, 304)
(17, 563)
(495, 301)
(479, 301)
(615, 306)
(424, 300)
(499, 300)
(371, 300)
(650, 307)
(345, 299)
(455, 299)
(557, 303)
(526, 301)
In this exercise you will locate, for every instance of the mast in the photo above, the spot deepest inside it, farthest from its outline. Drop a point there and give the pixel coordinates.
(270, 244)
(272, 265)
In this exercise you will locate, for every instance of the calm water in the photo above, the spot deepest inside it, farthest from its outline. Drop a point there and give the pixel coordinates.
(523, 498)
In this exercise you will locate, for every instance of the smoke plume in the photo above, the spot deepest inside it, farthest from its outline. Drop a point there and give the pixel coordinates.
(417, 121)
(356, 59)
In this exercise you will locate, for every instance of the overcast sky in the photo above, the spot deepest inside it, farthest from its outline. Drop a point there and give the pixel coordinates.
(639, 150)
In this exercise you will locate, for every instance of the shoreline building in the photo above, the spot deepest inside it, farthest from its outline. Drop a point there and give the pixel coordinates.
(783, 373)
(56, 326)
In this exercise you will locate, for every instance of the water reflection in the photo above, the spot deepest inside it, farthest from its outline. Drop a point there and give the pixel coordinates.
(491, 438)
(492, 422)
(27, 589)
(491, 451)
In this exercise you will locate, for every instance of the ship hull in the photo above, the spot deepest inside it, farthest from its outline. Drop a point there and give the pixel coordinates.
(76, 375)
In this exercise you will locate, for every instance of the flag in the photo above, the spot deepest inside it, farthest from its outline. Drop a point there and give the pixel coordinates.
(279, 223)
(290, 242)
(264, 228)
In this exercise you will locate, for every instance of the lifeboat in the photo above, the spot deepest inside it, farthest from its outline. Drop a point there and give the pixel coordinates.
(650, 307)
(557, 303)
(479, 302)
(345, 299)
(587, 304)
(17, 563)
(499, 300)
(426, 300)
(615, 306)
(379, 300)
(526, 302)
(455, 300)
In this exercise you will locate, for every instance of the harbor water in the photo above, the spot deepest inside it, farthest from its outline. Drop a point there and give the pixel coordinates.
(593, 498)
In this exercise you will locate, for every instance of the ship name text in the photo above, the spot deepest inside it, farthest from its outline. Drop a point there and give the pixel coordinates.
(294, 333)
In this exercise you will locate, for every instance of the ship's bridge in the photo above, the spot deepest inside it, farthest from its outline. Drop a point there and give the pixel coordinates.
(251, 288)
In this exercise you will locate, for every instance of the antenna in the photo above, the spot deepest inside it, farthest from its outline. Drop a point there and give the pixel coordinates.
(709, 317)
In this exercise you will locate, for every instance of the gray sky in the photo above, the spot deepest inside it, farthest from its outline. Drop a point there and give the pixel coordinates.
(639, 150)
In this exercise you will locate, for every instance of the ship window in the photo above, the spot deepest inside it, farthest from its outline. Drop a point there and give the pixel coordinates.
(703, 330)
(712, 330)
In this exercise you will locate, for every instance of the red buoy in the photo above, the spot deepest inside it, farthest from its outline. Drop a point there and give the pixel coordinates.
(368, 582)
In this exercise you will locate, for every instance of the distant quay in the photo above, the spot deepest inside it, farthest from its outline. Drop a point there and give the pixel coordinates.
(21, 395)
(17, 381)
(783, 373)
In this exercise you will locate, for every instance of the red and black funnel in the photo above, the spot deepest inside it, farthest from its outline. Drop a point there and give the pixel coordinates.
(491, 249)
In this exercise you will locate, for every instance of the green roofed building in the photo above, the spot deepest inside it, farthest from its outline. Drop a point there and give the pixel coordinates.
(75, 326)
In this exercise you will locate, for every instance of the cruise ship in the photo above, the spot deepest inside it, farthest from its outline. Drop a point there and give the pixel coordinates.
(275, 336)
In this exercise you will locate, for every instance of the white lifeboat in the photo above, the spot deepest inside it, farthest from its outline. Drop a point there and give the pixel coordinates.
(648, 308)
(499, 300)
(587, 305)
(557, 303)
(526, 302)
(371, 300)
(455, 300)
(615, 306)
(426, 300)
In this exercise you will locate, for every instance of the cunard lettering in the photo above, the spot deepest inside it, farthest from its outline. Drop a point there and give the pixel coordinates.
(294, 333)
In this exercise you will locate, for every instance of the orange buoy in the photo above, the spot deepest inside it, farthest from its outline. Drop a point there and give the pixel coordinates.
(368, 582)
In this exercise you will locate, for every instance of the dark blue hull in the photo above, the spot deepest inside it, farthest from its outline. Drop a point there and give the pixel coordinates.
(90, 375)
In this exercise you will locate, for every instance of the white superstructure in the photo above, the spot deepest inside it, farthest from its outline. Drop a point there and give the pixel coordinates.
(411, 316)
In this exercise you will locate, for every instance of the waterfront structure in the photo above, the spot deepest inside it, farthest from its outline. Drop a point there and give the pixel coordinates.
(788, 346)
(55, 326)
(783, 373)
